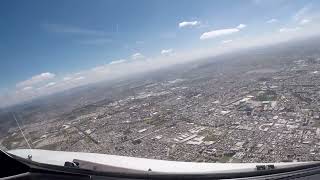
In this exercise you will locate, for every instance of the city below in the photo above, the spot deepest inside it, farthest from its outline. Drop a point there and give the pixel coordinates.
(261, 105)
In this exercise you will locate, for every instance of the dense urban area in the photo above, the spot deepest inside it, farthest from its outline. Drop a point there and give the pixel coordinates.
(257, 106)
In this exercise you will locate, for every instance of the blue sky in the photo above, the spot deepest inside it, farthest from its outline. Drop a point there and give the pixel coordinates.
(45, 42)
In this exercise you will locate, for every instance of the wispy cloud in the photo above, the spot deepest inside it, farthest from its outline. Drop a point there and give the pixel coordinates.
(273, 20)
(36, 79)
(283, 30)
(67, 78)
(226, 41)
(118, 61)
(137, 56)
(188, 24)
(27, 88)
(304, 21)
(166, 51)
(241, 26)
(72, 78)
(69, 29)
(79, 78)
(301, 13)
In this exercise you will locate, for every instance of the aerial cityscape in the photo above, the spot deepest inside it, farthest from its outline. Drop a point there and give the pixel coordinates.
(261, 105)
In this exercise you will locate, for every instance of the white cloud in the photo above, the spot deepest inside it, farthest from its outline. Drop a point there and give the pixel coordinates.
(137, 56)
(118, 61)
(226, 41)
(241, 26)
(221, 32)
(36, 79)
(305, 21)
(189, 24)
(284, 30)
(217, 33)
(166, 51)
(270, 21)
